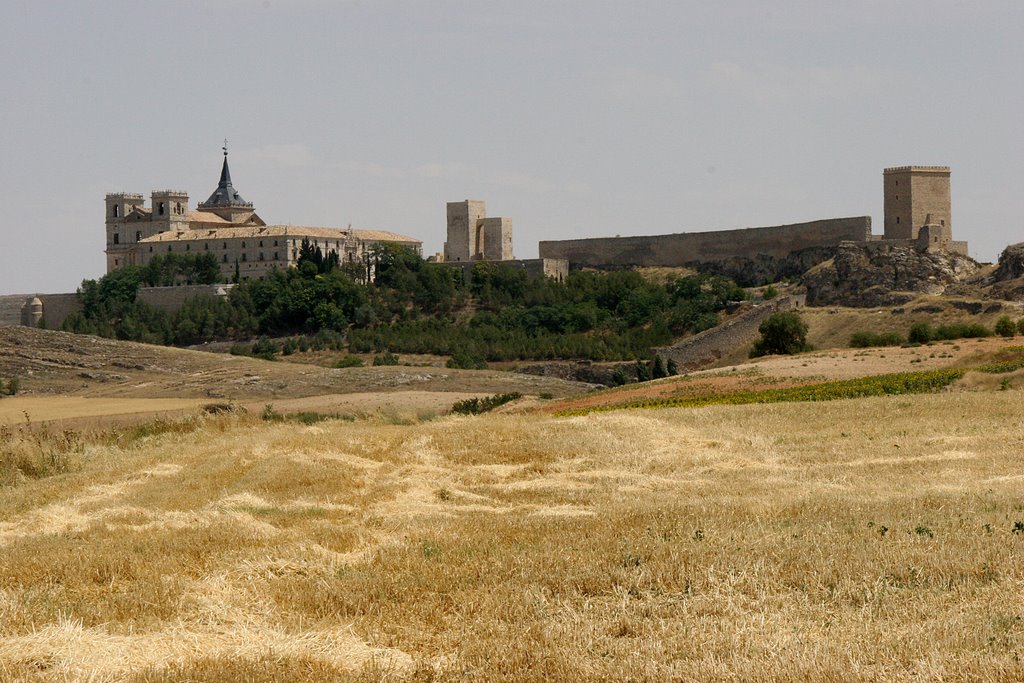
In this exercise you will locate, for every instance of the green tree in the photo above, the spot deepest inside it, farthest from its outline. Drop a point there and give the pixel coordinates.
(781, 333)
(1005, 327)
(920, 333)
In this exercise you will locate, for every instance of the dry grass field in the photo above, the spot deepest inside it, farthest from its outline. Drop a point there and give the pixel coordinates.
(875, 539)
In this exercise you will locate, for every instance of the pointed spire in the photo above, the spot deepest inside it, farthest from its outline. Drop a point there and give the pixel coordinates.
(225, 196)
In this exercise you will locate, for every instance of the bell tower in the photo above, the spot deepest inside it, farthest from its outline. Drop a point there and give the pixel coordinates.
(119, 245)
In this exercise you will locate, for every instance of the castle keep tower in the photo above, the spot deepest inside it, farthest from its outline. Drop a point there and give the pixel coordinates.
(916, 196)
(472, 236)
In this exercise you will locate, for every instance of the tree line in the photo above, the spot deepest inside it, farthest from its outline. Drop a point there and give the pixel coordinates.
(396, 302)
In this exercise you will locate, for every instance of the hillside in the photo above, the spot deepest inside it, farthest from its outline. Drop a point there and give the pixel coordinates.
(71, 369)
(815, 367)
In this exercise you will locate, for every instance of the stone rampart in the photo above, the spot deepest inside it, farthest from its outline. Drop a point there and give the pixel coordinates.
(56, 308)
(170, 299)
(684, 248)
(704, 348)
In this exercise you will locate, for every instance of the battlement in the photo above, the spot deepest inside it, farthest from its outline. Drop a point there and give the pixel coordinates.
(917, 169)
(124, 195)
(174, 193)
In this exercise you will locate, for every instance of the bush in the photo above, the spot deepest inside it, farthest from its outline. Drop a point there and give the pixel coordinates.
(386, 358)
(349, 361)
(962, 331)
(920, 333)
(863, 340)
(466, 360)
(265, 348)
(1020, 325)
(769, 293)
(475, 406)
(1006, 327)
(781, 333)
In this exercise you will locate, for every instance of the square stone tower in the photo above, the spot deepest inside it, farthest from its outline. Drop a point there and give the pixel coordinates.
(472, 236)
(914, 197)
(463, 219)
(494, 239)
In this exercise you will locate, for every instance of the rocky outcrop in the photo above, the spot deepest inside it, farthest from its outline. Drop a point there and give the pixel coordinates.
(880, 274)
(1011, 263)
(1008, 277)
(762, 269)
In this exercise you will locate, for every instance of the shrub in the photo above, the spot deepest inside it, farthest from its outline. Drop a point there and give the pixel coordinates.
(475, 406)
(781, 333)
(769, 292)
(658, 368)
(920, 333)
(466, 360)
(349, 361)
(643, 371)
(1020, 325)
(1006, 327)
(265, 348)
(962, 331)
(863, 340)
(386, 358)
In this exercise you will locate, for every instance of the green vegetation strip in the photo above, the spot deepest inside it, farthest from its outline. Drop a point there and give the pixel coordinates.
(878, 385)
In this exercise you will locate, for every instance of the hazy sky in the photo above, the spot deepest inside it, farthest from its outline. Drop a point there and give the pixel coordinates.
(575, 118)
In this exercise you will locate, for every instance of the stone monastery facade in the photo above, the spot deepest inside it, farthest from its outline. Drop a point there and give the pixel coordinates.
(226, 226)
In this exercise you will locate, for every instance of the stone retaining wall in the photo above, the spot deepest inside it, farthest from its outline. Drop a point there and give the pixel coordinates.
(704, 348)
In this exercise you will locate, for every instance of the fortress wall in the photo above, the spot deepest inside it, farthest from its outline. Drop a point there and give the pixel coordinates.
(170, 299)
(57, 307)
(681, 248)
(704, 348)
(10, 308)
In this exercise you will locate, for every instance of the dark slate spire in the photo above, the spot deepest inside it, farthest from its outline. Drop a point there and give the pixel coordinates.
(225, 196)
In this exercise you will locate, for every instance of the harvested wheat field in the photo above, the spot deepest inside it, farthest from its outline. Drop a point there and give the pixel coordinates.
(877, 539)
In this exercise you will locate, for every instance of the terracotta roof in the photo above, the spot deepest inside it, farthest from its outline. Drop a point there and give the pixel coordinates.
(280, 231)
(204, 217)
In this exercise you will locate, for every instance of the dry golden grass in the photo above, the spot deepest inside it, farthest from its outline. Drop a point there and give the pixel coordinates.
(866, 540)
(13, 410)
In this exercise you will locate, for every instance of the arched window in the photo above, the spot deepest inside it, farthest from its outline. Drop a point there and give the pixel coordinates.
(116, 211)
(160, 209)
(138, 235)
(117, 238)
(225, 258)
(177, 209)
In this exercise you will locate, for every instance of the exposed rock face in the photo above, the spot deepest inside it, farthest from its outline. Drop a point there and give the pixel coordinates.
(1008, 278)
(1011, 263)
(880, 274)
(751, 271)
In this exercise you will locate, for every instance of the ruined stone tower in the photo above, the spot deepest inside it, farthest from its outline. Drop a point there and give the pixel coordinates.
(472, 236)
(916, 196)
